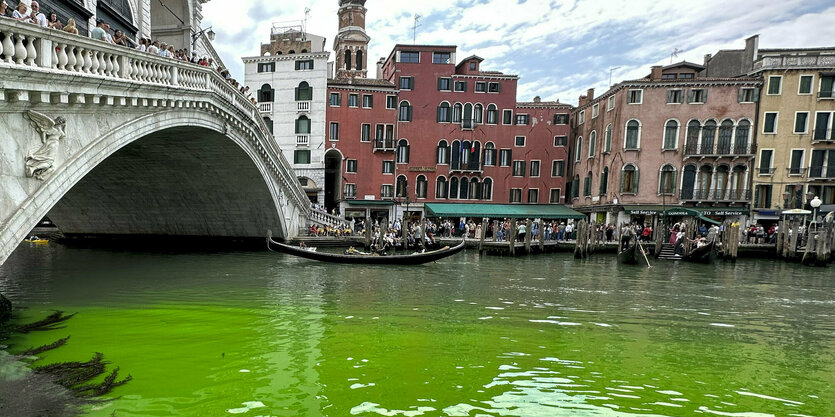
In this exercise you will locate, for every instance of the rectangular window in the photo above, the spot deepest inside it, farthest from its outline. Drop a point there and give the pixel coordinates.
(388, 167)
(770, 123)
(668, 76)
(407, 83)
(351, 166)
(611, 101)
(504, 157)
(304, 65)
(334, 131)
(390, 134)
(555, 196)
(534, 168)
(560, 141)
(353, 100)
(522, 119)
(266, 67)
(775, 84)
(365, 133)
(350, 191)
(378, 130)
(520, 141)
(826, 86)
(561, 119)
(387, 191)
(801, 121)
(533, 195)
(301, 156)
(748, 95)
(335, 99)
(409, 57)
(762, 196)
(391, 102)
(494, 88)
(581, 117)
(766, 156)
(460, 86)
(441, 58)
(634, 96)
(558, 168)
(685, 75)
(518, 168)
(444, 84)
(796, 167)
(823, 126)
(507, 117)
(697, 96)
(480, 87)
(805, 85)
(675, 97)
(367, 101)
(515, 195)
(595, 110)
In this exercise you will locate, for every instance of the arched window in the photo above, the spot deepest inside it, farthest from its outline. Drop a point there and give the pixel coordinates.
(633, 135)
(266, 94)
(487, 189)
(403, 152)
(492, 114)
(478, 114)
(489, 154)
(455, 155)
(405, 113)
(444, 115)
(667, 180)
(688, 182)
(347, 59)
(743, 129)
(467, 123)
(475, 189)
(441, 188)
(465, 154)
(720, 182)
(671, 135)
(629, 179)
(592, 143)
(738, 185)
(579, 150)
(402, 186)
(302, 125)
(604, 181)
(691, 146)
(443, 153)
(587, 185)
(726, 135)
(457, 110)
(607, 147)
(359, 60)
(304, 92)
(708, 138)
(463, 189)
(420, 187)
(453, 187)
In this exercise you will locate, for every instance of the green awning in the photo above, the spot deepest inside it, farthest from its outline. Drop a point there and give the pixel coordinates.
(643, 209)
(514, 211)
(369, 203)
(685, 211)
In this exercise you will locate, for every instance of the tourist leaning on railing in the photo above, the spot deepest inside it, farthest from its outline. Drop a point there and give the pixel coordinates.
(4, 9)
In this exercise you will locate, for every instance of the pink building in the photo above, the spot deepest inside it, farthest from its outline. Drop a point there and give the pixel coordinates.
(673, 138)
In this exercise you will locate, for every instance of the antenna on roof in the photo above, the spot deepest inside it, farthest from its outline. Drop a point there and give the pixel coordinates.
(306, 15)
(610, 74)
(675, 54)
(414, 29)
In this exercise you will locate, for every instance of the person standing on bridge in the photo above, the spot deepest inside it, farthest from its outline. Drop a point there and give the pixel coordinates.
(4, 9)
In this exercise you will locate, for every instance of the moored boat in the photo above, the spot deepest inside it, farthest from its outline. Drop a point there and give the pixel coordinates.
(629, 255)
(704, 254)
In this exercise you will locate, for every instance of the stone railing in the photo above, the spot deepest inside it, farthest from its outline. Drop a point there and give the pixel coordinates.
(815, 61)
(325, 218)
(30, 47)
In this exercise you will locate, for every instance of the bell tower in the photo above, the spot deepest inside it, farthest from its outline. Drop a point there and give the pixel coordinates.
(351, 42)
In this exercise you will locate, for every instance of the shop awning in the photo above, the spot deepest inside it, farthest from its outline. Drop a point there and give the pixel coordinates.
(515, 211)
(369, 203)
(683, 211)
(644, 209)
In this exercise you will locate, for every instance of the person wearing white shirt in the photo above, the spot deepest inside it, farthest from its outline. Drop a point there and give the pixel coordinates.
(40, 18)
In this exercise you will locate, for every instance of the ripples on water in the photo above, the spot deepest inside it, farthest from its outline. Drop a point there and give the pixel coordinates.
(260, 334)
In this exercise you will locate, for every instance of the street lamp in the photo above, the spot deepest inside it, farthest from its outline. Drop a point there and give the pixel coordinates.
(815, 203)
(209, 33)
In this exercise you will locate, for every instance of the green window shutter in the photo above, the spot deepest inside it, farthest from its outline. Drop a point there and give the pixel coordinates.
(411, 83)
(439, 114)
(370, 101)
(740, 95)
(767, 196)
(439, 84)
(756, 95)
(635, 182)
(704, 96)
(311, 64)
(690, 95)
(298, 65)
(297, 93)
(669, 96)
(757, 196)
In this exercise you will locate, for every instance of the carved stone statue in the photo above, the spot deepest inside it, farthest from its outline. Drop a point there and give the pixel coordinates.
(39, 163)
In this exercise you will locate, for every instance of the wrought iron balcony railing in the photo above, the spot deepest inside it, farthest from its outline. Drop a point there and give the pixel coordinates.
(721, 149)
(383, 145)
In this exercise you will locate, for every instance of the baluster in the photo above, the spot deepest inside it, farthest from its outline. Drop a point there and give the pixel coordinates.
(55, 56)
(19, 50)
(108, 69)
(102, 64)
(31, 53)
(144, 71)
(70, 58)
(62, 56)
(88, 63)
(8, 46)
(79, 59)
(1, 46)
(117, 67)
(94, 62)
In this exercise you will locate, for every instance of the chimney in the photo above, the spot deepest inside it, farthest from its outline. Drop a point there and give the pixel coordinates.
(752, 46)
(537, 99)
(707, 59)
(380, 69)
(582, 101)
(655, 73)
(590, 94)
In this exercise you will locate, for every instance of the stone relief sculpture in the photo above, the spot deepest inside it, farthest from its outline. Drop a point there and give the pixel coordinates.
(40, 163)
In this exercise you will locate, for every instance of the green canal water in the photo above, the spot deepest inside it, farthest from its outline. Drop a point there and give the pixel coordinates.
(263, 334)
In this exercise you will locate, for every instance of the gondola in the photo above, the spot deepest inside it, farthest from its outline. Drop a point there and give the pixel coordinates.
(705, 254)
(369, 259)
(629, 255)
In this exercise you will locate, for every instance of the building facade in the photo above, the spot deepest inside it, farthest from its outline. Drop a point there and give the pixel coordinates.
(674, 138)
(289, 81)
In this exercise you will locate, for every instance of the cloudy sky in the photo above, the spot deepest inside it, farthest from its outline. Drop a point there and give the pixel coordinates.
(559, 48)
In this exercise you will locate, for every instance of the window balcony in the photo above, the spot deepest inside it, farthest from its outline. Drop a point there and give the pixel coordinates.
(731, 195)
(765, 171)
(822, 136)
(303, 106)
(796, 172)
(383, 145)
(265, 107)
(722, 149)
(822, 172)
(302, 140)
(466, 168)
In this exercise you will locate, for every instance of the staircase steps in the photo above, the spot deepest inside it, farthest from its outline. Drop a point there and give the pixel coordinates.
(668, 252)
